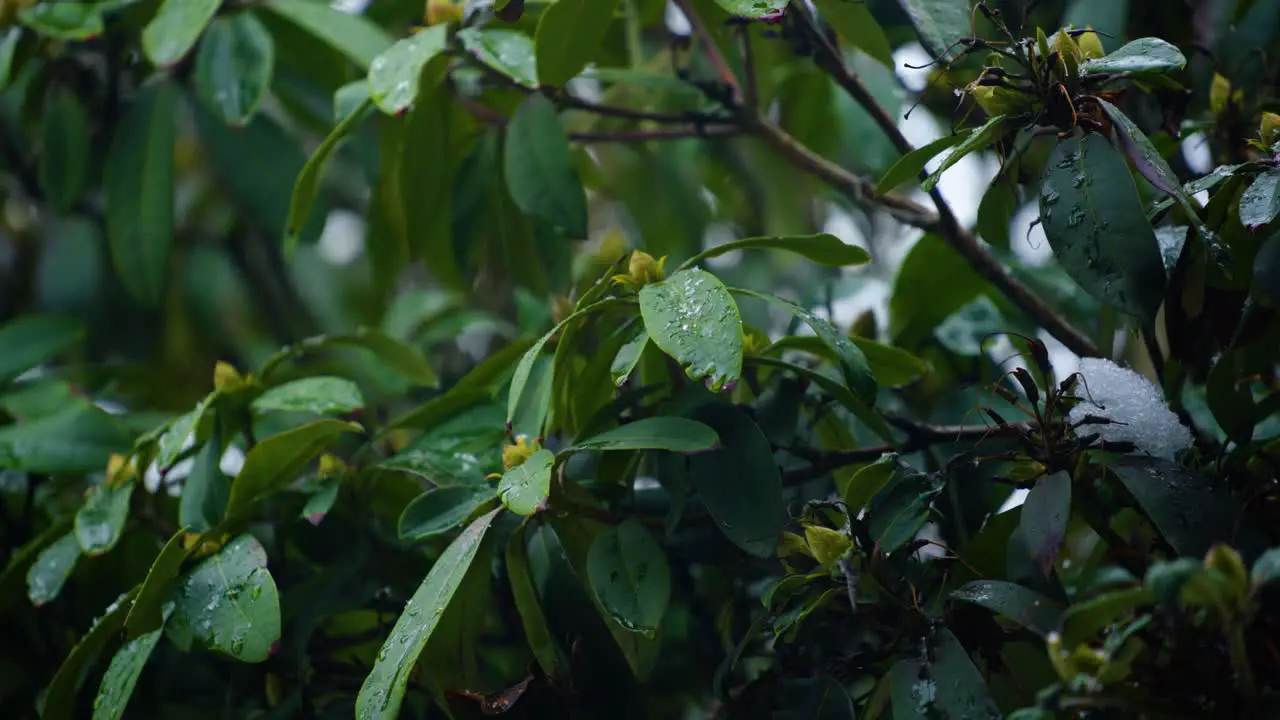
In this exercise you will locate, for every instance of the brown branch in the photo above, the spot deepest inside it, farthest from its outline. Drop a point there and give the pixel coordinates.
(943, 222)
(919, 437)
(713, 51)
(490, 116)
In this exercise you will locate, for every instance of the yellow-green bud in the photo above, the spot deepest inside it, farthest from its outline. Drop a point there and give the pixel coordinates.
(1090, 45)
(1269, 129)
(443, 12)
(514, 455)
(642, 270)
(226, 378)
(1000, 101)
(1227, 561)
(826, 545)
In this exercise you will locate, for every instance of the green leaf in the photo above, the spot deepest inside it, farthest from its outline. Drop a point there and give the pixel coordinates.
(627, 571)
(383, 690)
(52, 567)
(1044, 518)
(404, 360)
(1084, 620)
(138, 192)
(569, 36)
(853, 364)
(1266, 272)
(234, 66)
(821, 248)
(100, 520)
(692, 317)
(931, 263)
(63, 20)
(941, 683)
(995, 212)
(525, 594)
(64, 150)
(9, 39)
(525, 487)
(1260, 202)
(674, 434)
(146, 614)
(753, 9)
(985, 135)
(1144, 156)
(510, 52)
(353, 35)
(941, 24)
(1266, 569)
(60, 695)
(441, 510)
(624, 363)
(913, 163)
(175, 28)
(1144, 56)
(538, 169)
(899, 511)
(1093, 219)
(1028, 608)
(349, 99)
(739, 482)
(837, 391)
(122, 675)
(394, 75)
(75, 441)
(172, 442)
(277, 460)
(1190, 510)
(322, 395)
(230, 602)
(29, 340)
(853, 20)
(866, 482)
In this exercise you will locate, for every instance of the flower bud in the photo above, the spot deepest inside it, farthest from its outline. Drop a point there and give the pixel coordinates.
(443, 12)
(515, 455)
(1269, 129)
(1226, 560)
(642, 270)
(1090, 45)
(826, 545)
(226, 378)
(1000, 101)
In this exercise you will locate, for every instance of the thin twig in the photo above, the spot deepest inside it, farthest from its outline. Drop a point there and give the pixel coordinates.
(713, 51)
(492, 117)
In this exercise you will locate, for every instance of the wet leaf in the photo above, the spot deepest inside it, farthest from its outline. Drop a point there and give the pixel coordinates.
(823, 248)
(60, 695)
(63, 20)
(122, 676)
(322, 395)
(899, 510)
(383, 690)
(1266, 272)
(100, 520)
(1044, 518)
(691, 317)
(1190, 510)
(754, 9)
(1144, 56)
(64, 150)
(510, 52)
(674, 434)
(73, 441)
(276, 461)
(1028, 608)
(1084, 620)
(234, 66)
(739, 482)
(229, 602)
(441, 510)
(995, 212)
(569, 35)
(206, 490)
(524, 488)
(394, 74)
(628, 573)
(1093, 219)
(624, 363)
(1260, 202)
(866, 482)
(941, 683)
(539, 170)
(52, 567)
(175, 28)
(532, 618)
(853, 21)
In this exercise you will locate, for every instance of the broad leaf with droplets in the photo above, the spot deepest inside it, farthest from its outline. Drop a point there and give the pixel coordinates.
(229, 602)
(939, 682)
(754, 9)
(510, 52)
(1260, 203)
(1093, 219)
(524, 488)
(175, 29)
(1144, 56)
(394, 75)
(52, 567)
(692, 318)
(383, 690)
(122, 675)
(100, 521)
(234, 66)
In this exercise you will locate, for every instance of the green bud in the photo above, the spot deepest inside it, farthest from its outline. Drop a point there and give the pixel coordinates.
(827, 545)
(1227, 561)
(1269, 129)
(1090, 45)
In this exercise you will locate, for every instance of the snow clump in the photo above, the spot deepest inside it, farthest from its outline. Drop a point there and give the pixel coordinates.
(1135, 406)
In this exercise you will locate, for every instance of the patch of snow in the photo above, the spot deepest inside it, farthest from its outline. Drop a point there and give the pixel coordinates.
(1135, 406)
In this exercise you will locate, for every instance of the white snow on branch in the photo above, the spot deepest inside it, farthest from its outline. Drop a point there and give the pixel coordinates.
(1135, 407)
